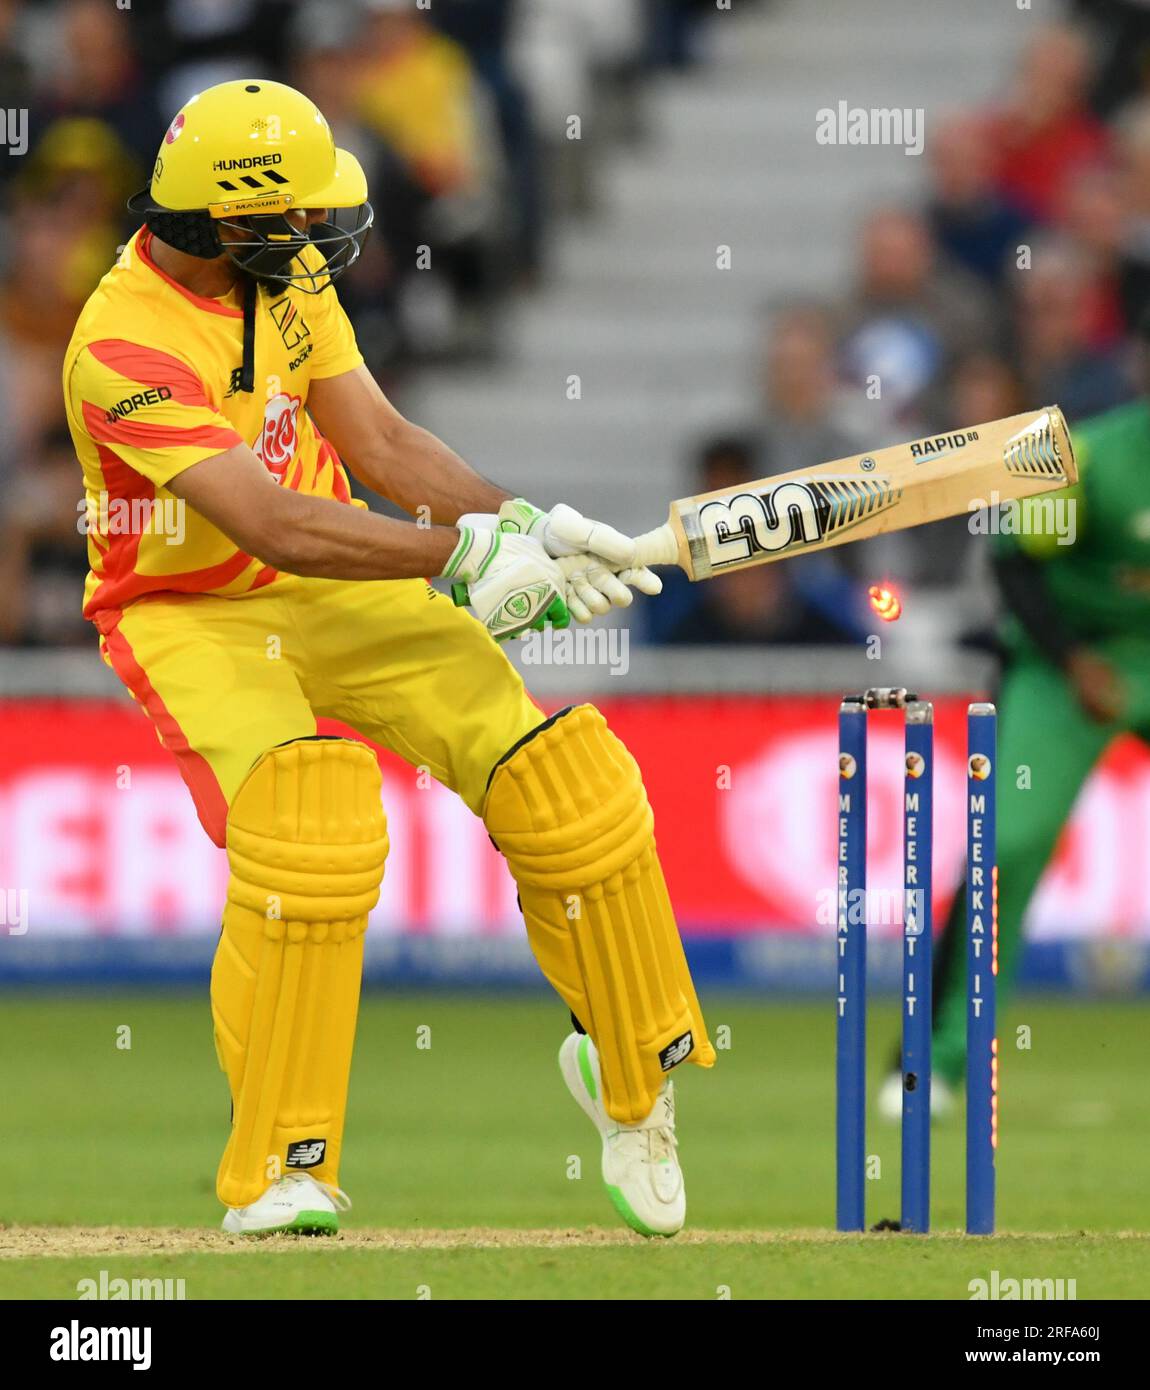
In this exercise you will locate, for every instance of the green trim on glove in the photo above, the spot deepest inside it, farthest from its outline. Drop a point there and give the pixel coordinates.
(455, 559)
(464, 560)
(519, 516)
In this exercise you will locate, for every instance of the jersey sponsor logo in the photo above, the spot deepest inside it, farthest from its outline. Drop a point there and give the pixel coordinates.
(234, 382)
(290, 322)
(251, 161)
(153, 396)
(279, 437)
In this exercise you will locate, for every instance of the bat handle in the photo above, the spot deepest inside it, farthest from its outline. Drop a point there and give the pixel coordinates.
(657, 547)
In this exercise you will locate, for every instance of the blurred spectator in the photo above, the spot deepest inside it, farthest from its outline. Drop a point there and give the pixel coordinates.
(1133, 131)
(1046, 130)
(373, 291)
(1052, 318)
(15, 72)
(415, 89)
(43, 556)
(1093, 218)
(482, 28)
(907, 319)
(1122, 28)
(41, 294)
(972, 223)
(758, 605)
(98, 73)
(82, 169)
(65, 215)
(193, 44)
(726, 461)
(803, 421)
(984, 386)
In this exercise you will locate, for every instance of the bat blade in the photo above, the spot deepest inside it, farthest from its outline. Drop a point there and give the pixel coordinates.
(865, 495)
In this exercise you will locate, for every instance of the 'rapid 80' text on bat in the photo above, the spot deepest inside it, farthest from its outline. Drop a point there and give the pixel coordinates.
(865, 495)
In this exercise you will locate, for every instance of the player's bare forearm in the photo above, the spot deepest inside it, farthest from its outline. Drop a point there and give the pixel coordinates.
(397, 459)
(301, 534)
(421, 471)
(329, 540)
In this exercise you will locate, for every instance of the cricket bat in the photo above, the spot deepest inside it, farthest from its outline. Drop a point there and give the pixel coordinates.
(864, 495)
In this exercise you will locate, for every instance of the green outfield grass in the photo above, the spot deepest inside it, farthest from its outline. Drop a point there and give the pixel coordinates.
(477, 1135)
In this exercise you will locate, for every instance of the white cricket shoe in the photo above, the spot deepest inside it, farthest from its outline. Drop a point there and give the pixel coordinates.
(640, 1166)
(942, 1098)
(297, 1204)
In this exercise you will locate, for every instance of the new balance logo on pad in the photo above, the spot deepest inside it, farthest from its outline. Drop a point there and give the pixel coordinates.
(306, 1153)
(677, 1051)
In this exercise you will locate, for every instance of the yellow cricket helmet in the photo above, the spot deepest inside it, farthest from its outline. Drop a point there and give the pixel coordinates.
(237, 158)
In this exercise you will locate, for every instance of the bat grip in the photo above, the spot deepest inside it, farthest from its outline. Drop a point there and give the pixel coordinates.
(657, 547)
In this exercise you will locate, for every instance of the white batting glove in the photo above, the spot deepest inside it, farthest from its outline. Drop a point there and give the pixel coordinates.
(603, 568)
(593, 588)
(564, 531)
(509, 581)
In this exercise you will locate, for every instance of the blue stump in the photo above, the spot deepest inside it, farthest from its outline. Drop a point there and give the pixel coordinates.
(981, 968)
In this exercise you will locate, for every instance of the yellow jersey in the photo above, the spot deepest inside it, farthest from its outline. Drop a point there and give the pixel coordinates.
(151, 387)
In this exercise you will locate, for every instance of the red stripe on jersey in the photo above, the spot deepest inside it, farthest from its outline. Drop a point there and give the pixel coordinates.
(119, 583)
(118, 561)
(117, 590)
(140, 434)
(211, 804)
(211, 306)
(150, 367)
(339, 488)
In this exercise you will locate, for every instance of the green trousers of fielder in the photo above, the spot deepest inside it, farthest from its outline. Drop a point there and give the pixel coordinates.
(1077, 675)
(1047, 747)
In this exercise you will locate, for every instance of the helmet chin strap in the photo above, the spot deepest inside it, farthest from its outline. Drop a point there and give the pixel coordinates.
(248, 360)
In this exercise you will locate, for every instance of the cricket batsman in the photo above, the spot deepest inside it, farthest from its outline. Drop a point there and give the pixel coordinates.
(214, 376)
(1076, 675)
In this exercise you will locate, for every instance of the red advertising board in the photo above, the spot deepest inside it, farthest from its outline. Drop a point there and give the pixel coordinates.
(97, 830)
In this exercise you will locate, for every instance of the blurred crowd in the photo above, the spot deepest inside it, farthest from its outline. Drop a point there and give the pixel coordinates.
(1016, 279)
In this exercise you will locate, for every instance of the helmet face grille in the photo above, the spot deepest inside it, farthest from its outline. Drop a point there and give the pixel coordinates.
(270, 247)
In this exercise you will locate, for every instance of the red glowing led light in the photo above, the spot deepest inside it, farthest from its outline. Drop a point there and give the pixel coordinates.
(885, 602)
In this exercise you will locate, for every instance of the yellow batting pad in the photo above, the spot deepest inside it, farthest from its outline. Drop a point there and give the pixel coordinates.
(307, 842)
(568, 810)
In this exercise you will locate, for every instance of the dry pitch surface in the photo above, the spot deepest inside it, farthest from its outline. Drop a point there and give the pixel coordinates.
(609, 1264)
